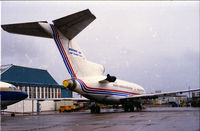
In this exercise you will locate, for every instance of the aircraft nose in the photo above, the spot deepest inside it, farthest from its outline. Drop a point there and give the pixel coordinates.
(23, 95)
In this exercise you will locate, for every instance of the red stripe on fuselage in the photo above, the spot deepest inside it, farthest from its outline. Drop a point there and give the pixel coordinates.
(109, 89)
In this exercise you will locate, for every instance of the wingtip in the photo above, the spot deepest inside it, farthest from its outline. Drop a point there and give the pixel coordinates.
(3, 27)
(88, 10)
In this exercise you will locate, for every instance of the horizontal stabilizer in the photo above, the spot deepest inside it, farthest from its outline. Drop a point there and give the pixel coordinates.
(69, 26)
(72, 25)
(32, 29)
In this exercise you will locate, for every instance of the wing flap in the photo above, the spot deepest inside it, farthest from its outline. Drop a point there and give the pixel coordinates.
(31, 28)
(72, 25)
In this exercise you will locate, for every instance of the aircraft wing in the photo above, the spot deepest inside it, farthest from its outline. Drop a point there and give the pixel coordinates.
(156, 95)
(58, 99)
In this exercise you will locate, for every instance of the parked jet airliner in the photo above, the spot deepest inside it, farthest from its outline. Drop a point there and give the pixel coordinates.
(10, 95)
(86, 77)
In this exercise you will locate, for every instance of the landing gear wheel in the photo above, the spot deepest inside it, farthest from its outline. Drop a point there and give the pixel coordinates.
(13, 115)
(139, 107)
(131, 108)
(126, 108)
(95, 109)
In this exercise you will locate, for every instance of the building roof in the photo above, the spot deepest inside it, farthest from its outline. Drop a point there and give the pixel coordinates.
(27, 76)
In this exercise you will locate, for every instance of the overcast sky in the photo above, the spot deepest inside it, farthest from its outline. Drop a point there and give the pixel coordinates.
(153, 44)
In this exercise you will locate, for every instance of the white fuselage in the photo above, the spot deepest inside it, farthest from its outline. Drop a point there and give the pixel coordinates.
(108, 92)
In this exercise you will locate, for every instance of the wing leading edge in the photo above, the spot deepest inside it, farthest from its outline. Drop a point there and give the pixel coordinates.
(151, 96)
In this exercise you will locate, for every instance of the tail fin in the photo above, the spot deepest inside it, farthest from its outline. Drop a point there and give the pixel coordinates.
(63, 31)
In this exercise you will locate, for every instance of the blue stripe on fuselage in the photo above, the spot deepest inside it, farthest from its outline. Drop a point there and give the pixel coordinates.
(73, 50)
(56, 39)
(93, 91)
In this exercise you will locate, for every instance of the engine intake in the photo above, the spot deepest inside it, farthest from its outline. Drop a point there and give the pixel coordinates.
(111, 78)
(69, 84)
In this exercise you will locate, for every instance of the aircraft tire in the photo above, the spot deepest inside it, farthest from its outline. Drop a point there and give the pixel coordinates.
(139, 107)
(12, 114)
(95, 109)
(131, 108)
(126, 108)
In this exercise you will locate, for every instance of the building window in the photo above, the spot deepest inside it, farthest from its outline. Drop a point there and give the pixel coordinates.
(46, 92)
(52, 92)
(34, 92)
(42, 92)
(59, 92)
(38, 92)
(49, 92)
(30, 92)
(56, 93)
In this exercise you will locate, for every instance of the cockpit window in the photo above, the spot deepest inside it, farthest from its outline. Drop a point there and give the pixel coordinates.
(12, 88)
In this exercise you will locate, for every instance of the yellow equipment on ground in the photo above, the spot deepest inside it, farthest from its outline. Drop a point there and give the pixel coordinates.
(67, 108)
(73, 107)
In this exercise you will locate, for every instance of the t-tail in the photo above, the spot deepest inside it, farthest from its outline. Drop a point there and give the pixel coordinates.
(63, 31)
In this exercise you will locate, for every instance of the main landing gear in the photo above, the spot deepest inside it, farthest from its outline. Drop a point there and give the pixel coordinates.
(95, 109)
(130, 106)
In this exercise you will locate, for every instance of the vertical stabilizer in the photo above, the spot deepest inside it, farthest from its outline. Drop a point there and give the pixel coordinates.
(74, 59)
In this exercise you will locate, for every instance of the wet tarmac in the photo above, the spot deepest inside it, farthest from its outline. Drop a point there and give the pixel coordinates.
(151, 119)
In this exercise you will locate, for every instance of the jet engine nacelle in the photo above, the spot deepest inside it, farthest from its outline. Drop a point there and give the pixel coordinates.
(69, 84)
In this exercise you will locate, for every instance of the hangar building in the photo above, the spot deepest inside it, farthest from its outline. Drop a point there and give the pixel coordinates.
(38, 83)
